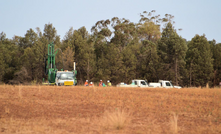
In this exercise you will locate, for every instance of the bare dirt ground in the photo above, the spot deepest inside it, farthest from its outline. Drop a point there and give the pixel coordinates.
(63, 110)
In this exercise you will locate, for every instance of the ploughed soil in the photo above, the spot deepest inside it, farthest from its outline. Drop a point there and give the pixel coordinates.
(63, 110)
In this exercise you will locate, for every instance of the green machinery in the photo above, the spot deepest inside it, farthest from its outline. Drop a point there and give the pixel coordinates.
(55, 76)
(51, 67)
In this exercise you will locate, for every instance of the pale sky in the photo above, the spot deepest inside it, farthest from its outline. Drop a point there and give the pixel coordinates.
(193, 16)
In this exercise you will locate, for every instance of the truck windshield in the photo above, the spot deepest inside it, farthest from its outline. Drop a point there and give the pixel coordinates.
(65, 76)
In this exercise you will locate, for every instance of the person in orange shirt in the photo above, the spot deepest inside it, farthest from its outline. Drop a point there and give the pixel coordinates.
(100, 83)
(86, 83)
(91, 84)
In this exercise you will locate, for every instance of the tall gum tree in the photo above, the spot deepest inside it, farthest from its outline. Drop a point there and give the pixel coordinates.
(84, 54)
(129, 61)
(216, 49)
(9, 52)
(2, 62)
(148, 61)
(172, 50)
(149, 31)
(199, 61)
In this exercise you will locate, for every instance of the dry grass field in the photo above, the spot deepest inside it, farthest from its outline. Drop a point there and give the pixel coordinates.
(82, 110)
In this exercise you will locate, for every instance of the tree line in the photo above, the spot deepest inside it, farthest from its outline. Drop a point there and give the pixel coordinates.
(117, 50)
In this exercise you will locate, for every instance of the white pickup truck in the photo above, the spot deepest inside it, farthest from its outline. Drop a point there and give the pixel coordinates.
(65, 78)
(143, 83)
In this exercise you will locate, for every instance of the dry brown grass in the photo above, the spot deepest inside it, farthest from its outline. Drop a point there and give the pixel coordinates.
(173, 123)
(20, 91)
(61, 110)
(115, 119)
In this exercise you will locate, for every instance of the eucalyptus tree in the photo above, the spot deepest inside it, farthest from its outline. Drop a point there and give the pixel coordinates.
(125, 33)
(148, 66)
(161, 22)
(48, 35)
(83, 48)
(101, 34)
(129, 63)
(216, 49)
(199, 61)
(113, 40)
(172, 50)
(9, 58)
(2, 62)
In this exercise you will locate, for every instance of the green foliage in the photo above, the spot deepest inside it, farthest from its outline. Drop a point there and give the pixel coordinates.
(149, 31)
(68, 59)
(216, 49)
(114, 63)
(50, 33)
(29, 61)
(84, 54)
(9, 58)
(148, 61)
(116, 50)
(172, 50)
(199, 61)
(125, 32)
(2, 62)
(129, 64)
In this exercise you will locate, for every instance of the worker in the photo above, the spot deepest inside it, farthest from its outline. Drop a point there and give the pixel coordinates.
(108, 83)
(86, 83)
(103, 84)
(100, 83)
(91, 84)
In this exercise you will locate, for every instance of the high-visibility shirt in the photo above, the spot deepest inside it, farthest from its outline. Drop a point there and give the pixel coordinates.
(100, 84)
(91, 85)
(109, 84)
(103, 85)
(86, 83)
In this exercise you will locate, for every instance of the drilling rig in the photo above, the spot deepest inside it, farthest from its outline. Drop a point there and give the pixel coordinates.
(60, 78)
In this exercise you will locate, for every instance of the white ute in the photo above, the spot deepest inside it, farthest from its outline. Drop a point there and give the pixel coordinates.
(143, 83)
(135, 83)
(164, 84)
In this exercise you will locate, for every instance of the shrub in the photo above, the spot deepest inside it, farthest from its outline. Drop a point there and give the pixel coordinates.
(116, 119)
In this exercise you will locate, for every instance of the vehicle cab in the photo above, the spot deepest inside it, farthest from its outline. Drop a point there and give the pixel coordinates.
(167, 84)
(140, 83)
(65, 78)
